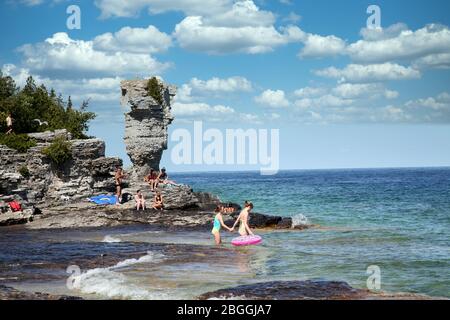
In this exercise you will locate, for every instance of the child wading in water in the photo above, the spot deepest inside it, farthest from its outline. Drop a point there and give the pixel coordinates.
(218, 223)
(244, 229)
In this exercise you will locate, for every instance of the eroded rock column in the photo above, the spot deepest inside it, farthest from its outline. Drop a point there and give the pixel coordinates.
(146, 124)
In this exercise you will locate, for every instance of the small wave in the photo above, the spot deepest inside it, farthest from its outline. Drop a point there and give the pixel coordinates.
(300, 220)
(148, 258)
(108, 282)
(111, 239)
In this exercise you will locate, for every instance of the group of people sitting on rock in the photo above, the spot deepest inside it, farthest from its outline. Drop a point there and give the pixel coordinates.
(158, 203)
(154, 179)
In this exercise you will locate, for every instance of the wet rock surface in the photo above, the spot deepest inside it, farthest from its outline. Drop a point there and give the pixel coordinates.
(302, 290)
(85, 214)
(8, 293)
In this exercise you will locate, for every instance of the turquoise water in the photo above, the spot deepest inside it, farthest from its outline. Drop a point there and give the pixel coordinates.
(396, 219)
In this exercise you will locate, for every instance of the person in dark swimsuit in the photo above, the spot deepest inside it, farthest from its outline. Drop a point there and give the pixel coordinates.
(118, 177)
(164, 178)
(158, 203)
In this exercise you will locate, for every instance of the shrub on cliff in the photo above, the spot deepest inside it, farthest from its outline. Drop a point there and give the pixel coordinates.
(154, 89)
(19, 142)
(36, 109)
(24, 172)
(59, 151)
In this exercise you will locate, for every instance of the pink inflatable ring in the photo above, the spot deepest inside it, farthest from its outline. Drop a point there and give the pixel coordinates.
(246, 241)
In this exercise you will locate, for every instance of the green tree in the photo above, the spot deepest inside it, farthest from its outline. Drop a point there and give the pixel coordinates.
(154, 89)
(34, 105)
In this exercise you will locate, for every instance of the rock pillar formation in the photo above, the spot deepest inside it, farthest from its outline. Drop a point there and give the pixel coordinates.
(146, 124)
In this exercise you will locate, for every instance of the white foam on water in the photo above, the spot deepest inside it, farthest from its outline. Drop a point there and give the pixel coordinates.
(299, 220)
(108, 282)
(148, 258)
(111, 239)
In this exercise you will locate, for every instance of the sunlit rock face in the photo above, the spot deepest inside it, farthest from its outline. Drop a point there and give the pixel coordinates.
(146, 124)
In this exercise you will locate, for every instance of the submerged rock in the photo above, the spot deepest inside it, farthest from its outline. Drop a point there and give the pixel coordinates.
(304, 290)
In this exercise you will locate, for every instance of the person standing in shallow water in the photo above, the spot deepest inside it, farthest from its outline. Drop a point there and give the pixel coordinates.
(244, 229)
(9, 124)
(218, 223)
(119, 183)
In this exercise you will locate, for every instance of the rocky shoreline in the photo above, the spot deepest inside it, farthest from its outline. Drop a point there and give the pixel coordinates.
(85, 215)
(275, 290)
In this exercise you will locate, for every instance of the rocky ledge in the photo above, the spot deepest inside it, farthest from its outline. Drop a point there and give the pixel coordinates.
(304, 290)
(86, 214)
(8, 293)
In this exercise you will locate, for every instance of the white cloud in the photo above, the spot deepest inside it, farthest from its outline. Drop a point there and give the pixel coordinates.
(134, 40)
(273, 98)
(363, 90)
(370, 73)
(215, 84)
(192, 34)
(131, 8)
(441, 102)
(242, 13)
(204, 111)
(320, 46)
(433, 61)
(200, 109)
(376, 34)
(402, 44)
(292, 17)
(308, 92)
(64, 56)
(328, 100)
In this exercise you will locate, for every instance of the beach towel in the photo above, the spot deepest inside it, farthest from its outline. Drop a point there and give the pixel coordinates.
(15, 206)
(103, 199)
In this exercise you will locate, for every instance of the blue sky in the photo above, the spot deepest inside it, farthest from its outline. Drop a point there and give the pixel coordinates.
(342, 95)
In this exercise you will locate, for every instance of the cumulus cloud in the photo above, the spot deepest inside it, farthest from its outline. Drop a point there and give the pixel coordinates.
(319, 46)
(370, 73)
(242, 13)
(215, 84)
(131, 8)
(64, 56)
(406, 45)
(363, 90)
(213, 113)
(94, 89)
(328, 100)
(308, 92)
(134, 40)
(377, 34)
(433, 61)
(192, 34)
(273, 99)
(292, 17)
(441, 102)
(197, 88)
